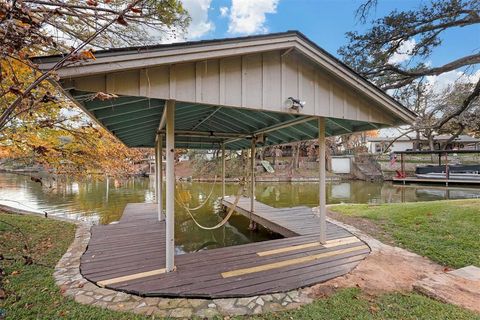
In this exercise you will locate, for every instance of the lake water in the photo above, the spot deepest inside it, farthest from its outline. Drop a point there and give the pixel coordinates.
(103, 203)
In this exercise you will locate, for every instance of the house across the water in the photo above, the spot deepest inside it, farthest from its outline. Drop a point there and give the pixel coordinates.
(406, 143)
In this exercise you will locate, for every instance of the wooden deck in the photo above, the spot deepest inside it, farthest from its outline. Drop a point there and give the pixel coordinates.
(130, 256)
(289, 222)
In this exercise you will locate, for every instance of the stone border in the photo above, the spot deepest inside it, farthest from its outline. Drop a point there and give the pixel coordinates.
(67, 275)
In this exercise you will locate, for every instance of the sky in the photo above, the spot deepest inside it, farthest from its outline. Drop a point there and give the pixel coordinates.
(323, 21)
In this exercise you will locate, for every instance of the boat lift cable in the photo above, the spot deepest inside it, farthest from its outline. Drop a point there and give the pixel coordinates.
(208, 197)
(227, 217)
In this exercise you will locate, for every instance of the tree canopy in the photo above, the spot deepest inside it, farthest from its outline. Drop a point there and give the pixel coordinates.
(38, 122)
(416, 34)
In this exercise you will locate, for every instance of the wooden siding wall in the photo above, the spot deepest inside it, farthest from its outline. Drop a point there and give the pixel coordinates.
(255, 81)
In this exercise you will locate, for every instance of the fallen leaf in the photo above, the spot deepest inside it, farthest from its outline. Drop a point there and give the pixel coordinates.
(121, 20)
(93, 3)
(102, 96)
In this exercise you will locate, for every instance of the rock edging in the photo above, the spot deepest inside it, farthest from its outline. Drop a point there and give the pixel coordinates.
(68, 277)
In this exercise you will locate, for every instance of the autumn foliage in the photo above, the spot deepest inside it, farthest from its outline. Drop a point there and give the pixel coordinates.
(57, 135)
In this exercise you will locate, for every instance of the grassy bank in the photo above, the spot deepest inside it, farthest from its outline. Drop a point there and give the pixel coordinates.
(353, 304)
(32, 293)
(444, 231)
(30, 290)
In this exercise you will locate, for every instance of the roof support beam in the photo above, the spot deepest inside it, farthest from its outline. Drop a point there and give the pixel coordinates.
(206, 118)
(138, 128)
(133, 119)
(187, 133)
(279, 126)
(113, 128)
(116, 114)
(113, 104)
(340, 125)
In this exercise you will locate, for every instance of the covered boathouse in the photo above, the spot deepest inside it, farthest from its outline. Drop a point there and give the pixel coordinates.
(233, 94)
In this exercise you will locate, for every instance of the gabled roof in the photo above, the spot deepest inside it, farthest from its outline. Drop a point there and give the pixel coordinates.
(131, 57)
(139, 58)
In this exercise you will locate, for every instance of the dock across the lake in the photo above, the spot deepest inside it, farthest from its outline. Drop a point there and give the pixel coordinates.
(436, 181)
(130, 256)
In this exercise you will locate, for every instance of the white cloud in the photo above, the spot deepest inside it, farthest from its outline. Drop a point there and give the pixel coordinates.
(200, 24)
(249, 16)
(224, 11)
(403, 53)
(442, 81)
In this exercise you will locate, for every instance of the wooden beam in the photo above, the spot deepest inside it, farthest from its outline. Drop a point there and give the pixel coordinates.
(131, 277)
(289, 262)
(328, 244)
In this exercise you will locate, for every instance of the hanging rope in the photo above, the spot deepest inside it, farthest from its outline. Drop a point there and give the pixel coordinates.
(208, 197)
(227, 217)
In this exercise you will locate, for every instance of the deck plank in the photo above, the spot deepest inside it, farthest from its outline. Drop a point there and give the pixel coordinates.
(126, 255)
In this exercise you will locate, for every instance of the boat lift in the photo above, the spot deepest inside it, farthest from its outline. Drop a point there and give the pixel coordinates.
(446, 175)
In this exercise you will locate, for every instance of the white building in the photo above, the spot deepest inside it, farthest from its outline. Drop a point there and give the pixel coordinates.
(381, 144)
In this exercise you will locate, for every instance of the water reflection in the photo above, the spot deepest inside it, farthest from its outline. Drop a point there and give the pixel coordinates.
(104, 201)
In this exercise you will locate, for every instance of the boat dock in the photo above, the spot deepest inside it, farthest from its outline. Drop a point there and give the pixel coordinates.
(289, 222)
(435, 181)
(129, 256)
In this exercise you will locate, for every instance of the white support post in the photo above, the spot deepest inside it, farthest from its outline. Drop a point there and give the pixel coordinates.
(322, 190)
(170, 189)
(223, 170)
(156, 172)
(159, 177)
(252, 168)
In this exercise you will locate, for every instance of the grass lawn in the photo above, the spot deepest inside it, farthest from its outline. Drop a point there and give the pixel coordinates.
(444, 231)
(30, 289)
(32, 293)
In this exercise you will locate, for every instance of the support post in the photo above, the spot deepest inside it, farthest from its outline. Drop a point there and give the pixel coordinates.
(252, 171)
(159, 177)
(223, 170)
(170, 187)
(447, 172)
(156, 172)
(322, 175)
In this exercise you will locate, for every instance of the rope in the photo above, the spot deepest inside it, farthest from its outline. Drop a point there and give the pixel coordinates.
(208, 197)
(227, 217)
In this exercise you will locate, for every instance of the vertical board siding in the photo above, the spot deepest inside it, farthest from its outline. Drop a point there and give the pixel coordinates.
(159, 79)
(92, 84)
(322, 95)
(185, 87)
(290, 77)
(253, 81)
(211, 82)
(233, 81)
(256, 81)
(307, 85)
(126, 82)
(272, 83)
(337, 102)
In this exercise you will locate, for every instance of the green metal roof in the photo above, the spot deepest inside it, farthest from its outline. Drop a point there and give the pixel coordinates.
(135, 121)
